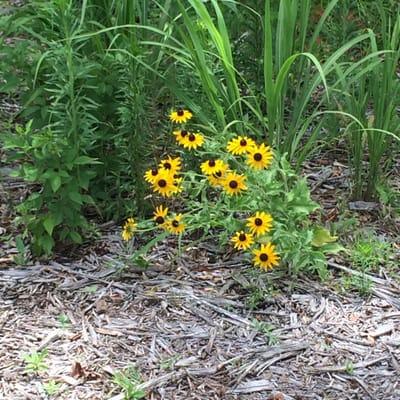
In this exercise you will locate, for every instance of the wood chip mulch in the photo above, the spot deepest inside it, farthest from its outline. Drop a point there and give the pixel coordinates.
(187, 326)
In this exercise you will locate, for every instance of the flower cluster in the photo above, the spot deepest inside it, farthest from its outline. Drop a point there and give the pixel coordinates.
(166, 180)
(258, 225)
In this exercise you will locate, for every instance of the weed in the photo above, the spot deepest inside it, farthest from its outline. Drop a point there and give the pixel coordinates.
(360, 283)
(168, 363)
(35, 361)
(22, 258)
(369, 252)
(129, 380)
(349, 367)
(64, 321)
(254, 298)
(51, 387)
(267, 330)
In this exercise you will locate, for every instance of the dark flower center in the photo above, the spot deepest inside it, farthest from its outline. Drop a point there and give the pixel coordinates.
(242, 237)
(211, 163)
(218, 174)
(192, 137)
(160, 220)
(154, 171)
(180, 112)
(233, 184)
(162, 183)
(264, 257)
(257, 156)
(167, 165)
(175, 223)
(258, 221)
(184, 133)
(243, 142)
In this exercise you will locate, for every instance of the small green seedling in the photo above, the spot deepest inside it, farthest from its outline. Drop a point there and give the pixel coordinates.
(35, 361)
(129, 380)
(267, 330)
(360, 283)
(349, 367)
(64, 321)
(51, 387)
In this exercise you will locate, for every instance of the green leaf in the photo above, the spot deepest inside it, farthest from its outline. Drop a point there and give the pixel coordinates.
(75, 237)
(49, 223)
(76, 197)
(55, 182)
(84, 160)
(46, 243)
(322, 236)
(332, 248)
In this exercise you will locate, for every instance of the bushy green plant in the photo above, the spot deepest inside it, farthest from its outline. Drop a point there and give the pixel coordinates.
(91, 102)
(227, 193)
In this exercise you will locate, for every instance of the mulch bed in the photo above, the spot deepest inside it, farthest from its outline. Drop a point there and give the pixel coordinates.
(186, 326)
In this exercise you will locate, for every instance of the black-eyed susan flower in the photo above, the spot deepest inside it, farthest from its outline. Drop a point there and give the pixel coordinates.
(164, 184)
(240, 145)
(242, 240)
(259, 157)
(160, 215)
(193, 141)
(151, 175)
(266, 257)
(234, 183)
(172, 165)
(175, 225)
(259, 223)
(181, 136)
(210, 167)
(216, 179)
(180, 116)
(128, 229)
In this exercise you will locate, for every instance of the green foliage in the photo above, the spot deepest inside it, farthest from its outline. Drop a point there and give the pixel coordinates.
(267, 330)
(129, 380)
(51, 387)
(35, 361)
(360, 283)
(95, 77)
(369, 253)
(64, 321)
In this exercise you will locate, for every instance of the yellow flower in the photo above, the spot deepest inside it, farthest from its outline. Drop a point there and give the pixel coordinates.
(242, 240)
(259, 157)
(164, 184)
(180, 116)
(181, 136)
(266, 257)
(260, 223)
(151, 175)
(234, 183)
(175, 225)
(128, 229)
(210, 167)
(172, 165)
(159, 215)
(240, 145)
(193, 141)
